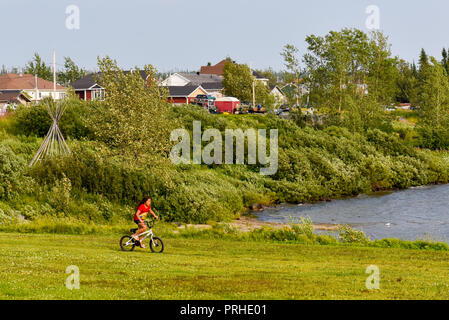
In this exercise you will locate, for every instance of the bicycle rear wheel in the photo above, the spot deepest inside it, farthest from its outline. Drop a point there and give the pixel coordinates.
(157, 246)
(127, 243)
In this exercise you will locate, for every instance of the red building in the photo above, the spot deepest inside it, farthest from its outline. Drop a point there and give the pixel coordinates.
(227, 104)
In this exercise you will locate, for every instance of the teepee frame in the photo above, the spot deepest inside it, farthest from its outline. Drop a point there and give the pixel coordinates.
(54, 143)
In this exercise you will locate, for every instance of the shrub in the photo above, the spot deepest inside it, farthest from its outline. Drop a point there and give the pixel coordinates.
(34, 120)
(12, 178)
(348, 235)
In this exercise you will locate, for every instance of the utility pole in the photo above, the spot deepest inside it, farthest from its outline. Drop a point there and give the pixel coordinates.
(54, 75)
(35, 85)
(253, 85)
(254, 93)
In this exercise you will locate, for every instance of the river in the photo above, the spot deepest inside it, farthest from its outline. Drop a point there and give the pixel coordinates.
(416, 213)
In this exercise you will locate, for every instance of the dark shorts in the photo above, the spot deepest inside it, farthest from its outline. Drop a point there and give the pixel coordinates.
(136, 222)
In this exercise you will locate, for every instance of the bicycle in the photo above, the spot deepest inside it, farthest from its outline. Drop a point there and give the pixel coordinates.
(128, 243)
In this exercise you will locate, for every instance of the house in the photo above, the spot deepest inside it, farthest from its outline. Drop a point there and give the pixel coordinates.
(12, 98)
(210, 82)
(184, 94)
(290, 90)
(218, 70)
(259, 77)
(89, 87)
(278, 94)
(32, 86)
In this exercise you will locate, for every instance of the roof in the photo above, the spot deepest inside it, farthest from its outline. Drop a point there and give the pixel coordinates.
(181, 91)
(216, 69)
(12, 96)
(89, 80)
(198, 79)
(13, 81)
(272, 87)
(258, 76)
(84, 83)
(227, 99)
(212, 85)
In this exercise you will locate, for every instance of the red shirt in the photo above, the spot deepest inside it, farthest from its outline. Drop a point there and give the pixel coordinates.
(143, 212)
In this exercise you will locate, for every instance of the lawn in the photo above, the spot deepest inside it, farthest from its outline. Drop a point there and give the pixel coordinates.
(33, 267)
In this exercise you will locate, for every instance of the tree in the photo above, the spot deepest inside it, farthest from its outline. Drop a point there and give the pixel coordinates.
(71, 72)
(407, 83)
(133, 120)
(423, 63)
(237, 81)
(38, 67)
(333, 64)
(434, 97)
(445, 60)
(291, 62)
(382, 70)
(351, 75)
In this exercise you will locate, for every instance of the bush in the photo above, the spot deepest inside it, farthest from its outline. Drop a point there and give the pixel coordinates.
(12, 179)
(34, 120)
(349, 235)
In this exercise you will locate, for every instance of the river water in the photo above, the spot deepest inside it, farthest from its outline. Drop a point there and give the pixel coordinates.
(416, 213)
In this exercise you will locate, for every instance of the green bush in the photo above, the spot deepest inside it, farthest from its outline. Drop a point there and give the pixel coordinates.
(12, 179)
(349, 235)
(34, 120)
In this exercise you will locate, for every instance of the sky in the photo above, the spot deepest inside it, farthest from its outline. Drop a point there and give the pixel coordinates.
(186, 34)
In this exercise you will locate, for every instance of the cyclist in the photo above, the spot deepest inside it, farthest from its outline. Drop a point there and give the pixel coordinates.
(141, 213)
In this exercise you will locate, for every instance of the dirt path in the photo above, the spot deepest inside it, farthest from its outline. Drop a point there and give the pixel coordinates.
(247, 224)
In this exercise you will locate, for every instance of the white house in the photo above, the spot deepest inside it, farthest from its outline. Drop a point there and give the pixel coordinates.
(210, 82)
(32, 86)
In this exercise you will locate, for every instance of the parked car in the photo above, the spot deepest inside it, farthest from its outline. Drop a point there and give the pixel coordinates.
(201, 99)
(257, 109)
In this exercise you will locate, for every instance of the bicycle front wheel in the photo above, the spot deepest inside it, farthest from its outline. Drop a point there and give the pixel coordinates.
(157, 246)
(127, 243)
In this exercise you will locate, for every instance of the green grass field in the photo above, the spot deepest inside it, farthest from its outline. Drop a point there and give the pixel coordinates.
(33, 267)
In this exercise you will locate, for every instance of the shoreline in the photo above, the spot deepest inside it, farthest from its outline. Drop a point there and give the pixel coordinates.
(248, 224)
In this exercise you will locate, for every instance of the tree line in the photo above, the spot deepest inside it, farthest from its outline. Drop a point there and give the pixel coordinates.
(351, 78)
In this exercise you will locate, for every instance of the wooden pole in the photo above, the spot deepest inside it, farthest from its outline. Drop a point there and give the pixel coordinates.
(54, 75)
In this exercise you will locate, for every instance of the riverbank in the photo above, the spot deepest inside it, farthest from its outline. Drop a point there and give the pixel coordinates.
(213, 269)
(249, 224)
(410, 214)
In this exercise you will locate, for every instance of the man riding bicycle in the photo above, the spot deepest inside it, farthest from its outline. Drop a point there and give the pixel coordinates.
(141, 213)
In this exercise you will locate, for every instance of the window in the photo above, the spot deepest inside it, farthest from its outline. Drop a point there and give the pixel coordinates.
(98, 94)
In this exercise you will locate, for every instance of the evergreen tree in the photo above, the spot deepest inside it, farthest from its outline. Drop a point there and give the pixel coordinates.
(71, 72)
(406, 83)
(445, 61)
(423, 62)
(38, 67)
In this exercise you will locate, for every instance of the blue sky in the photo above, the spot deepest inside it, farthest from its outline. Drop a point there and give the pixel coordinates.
(185, 34)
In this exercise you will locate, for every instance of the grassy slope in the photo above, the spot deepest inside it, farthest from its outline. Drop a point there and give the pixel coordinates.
(33, 267)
